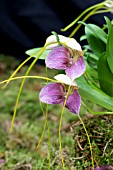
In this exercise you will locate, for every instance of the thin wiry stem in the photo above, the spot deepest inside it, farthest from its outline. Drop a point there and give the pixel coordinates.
(93, 12)
(88, 141)
(33, 77)
(82, 14)
(60, 125)
(21, 87)
(44, 127)
(15, 72)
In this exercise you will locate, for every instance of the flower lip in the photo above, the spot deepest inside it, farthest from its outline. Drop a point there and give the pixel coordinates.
(58, 58)
(62, 78)
(55, 93)
(76, 69)
(73, 102)
(52, 93)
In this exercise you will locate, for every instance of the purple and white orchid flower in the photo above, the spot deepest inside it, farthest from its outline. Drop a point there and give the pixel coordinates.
(56, 93)
(68, 57)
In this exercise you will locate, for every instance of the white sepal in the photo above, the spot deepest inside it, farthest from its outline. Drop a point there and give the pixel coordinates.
(66, 41)
(62, 78)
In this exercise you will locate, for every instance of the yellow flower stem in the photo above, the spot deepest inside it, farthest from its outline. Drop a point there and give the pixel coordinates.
(20, 66)
(43, 132)
(102, 11)
(60, 125)
(21, 87)
(15, 72)
(59, 135)
(100, 5)
(42, 135)
(44, 128)
(34, 77)
(88, 141)
(93, 12)
(49, 143)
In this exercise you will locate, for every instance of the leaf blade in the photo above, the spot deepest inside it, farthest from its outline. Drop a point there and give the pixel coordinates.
(105, 75)
(36, 51)
(96, 38)
(94, 95)
(109, 46)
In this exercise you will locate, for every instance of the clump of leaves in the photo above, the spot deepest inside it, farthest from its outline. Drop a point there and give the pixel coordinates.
(101, 135)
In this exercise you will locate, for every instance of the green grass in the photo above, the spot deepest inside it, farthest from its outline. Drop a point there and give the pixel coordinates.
(18, 150)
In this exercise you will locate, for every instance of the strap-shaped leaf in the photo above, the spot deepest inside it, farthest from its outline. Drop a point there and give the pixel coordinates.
(94, 95)
(96, 30)
(96, 38)
(36, 51)
(105, 75)
(91, 71)
(109, 47)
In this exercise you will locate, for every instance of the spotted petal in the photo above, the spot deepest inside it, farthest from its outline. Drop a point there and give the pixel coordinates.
(52, 94)
(73, 102)
(58, 58)
(76, 69)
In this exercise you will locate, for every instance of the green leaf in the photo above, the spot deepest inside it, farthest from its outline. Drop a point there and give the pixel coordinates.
(96, 30)
(91, 71)
(36, 51)
(96, 38)
(93, 94)
(91, 56)
(105, 75)
(109, 47)
(83, 37)
(86, 47)
(91, 59)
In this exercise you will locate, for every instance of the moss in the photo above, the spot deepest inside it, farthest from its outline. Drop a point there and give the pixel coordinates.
(101, 135)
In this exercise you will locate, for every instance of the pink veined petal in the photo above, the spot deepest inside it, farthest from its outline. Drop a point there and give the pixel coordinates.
(76, 69)
(73, 102)
(58, 58)
(52, 93)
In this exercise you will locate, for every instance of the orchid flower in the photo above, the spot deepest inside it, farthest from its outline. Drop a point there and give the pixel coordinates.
(68, 56)
(56, 93)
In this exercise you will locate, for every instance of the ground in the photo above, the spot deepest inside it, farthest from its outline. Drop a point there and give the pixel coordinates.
(34, 142)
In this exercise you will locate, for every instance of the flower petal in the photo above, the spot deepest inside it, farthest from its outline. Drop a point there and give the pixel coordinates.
(73, 44)
(76, 69)
(62, 78)
(51, 42)
(52, 94)
(73, 102)
(58, 58)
